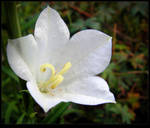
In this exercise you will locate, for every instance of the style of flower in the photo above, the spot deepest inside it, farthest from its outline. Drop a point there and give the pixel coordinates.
(59, 69)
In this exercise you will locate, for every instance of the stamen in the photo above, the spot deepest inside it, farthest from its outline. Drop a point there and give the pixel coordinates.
(55, 79)
(66, 67)
(43, 69)
(60, 78)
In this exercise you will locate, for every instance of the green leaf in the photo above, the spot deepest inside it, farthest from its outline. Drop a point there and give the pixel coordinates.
(22, 91)
(121, 57)
(10, 109)
(32, 115)
(6, 81)
(126, 116)
(10, 73)
(108, 74)
(121, 110)
(72, 110)
(26, 25)
(20, 120)
(92, 23)
(121, 47)
(55, 113)
(78, 25)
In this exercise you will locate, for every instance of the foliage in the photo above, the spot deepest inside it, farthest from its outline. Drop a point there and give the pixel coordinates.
(127, 74)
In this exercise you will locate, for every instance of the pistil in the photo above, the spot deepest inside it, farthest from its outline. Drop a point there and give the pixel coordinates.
(55, 79)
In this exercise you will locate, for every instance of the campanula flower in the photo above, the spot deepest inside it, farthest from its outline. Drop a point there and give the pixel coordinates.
(58, 68)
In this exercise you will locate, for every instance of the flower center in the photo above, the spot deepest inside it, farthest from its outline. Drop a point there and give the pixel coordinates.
(55, 79)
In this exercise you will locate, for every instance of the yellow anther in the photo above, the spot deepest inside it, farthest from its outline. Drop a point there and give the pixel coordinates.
(43, 69)
(44, 66)
(55, 79)
(59, 79)
(66, 67)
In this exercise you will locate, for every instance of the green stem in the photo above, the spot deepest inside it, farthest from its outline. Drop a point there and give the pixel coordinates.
(14, 31)
(12, 20)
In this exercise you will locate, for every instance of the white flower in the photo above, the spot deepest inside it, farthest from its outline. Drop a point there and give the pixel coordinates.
(57, 68)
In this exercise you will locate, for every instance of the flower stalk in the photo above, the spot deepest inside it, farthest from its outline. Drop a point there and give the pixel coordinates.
(12, 20)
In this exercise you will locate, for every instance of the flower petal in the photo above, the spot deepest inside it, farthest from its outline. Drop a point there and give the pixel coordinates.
(89, 51)
(89, 91)
(46, 101)
(20, 54)
(50, 30)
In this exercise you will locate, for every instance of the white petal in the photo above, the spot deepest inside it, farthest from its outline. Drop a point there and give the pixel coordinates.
(20, 55)
(89, 51)
(50, 30)
(89, 91)
(46, 101)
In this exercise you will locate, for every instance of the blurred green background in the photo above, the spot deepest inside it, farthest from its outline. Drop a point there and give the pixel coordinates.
(127, 74)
